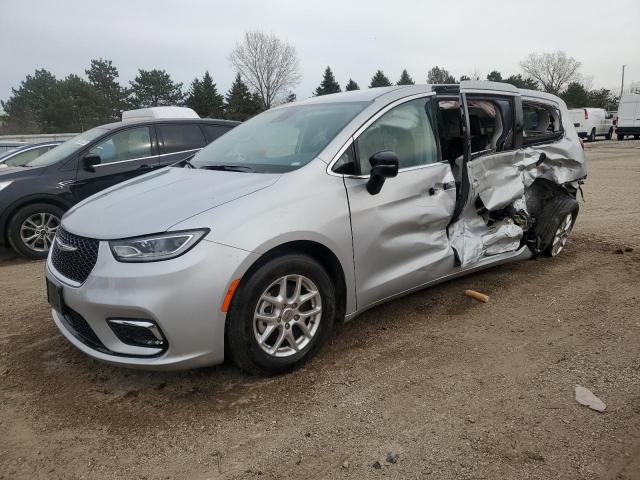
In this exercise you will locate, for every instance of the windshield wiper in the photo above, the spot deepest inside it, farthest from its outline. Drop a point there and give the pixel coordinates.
(228, 168)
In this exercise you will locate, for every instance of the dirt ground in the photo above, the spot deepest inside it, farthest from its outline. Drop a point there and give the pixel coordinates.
(456, 388)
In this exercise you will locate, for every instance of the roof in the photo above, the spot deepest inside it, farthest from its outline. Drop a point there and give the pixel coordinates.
(147, 121)
(366, 95)
(399, 91)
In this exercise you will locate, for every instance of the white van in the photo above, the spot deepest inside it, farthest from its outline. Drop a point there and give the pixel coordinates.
(629, 116)
(591, 122)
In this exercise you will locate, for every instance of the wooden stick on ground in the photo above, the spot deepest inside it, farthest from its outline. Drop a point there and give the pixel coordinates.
(481, 297)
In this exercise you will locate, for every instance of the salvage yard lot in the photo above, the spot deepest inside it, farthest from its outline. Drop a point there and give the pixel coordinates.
(456, 388)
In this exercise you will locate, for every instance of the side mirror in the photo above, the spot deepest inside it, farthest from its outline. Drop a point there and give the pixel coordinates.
(383, 165)
(90, 161)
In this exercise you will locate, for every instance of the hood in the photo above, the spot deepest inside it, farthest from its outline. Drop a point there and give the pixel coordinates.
(16, 173)
(155, 202)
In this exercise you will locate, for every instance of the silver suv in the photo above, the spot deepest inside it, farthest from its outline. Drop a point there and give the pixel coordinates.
(310, 214)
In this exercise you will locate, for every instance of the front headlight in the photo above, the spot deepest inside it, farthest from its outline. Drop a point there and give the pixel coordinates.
(152, 248)
(4, 185)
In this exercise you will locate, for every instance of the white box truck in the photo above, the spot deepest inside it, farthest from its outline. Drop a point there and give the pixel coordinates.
(629, 116)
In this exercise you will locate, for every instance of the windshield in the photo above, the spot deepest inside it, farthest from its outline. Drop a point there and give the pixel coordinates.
(279, 140)
(67, 148)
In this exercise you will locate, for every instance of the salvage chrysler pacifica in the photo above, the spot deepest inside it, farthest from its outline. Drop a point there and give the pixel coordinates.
(309, 214)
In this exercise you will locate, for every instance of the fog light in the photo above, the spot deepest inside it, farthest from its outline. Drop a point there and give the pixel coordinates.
(139, 333)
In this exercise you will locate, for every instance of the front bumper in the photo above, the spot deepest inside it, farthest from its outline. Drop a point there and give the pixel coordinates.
(182, 296)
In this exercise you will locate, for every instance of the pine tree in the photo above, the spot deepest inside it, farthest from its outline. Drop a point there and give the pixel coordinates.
(204, 98)
(112, 96)
(519, 81)
(351, 85)
(440, 75)
(405, 79)
(240, 103)
(328, 84)
(153, 88)
(33, 107)
(494, 76)
(379, 80)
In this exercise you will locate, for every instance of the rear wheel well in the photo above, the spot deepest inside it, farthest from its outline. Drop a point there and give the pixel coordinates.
(320, 253)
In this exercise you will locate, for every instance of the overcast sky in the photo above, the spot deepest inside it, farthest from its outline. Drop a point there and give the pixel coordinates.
(354, 37)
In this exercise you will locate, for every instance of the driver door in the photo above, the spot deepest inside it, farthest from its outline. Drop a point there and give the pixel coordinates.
(399, 235)
(123, 155)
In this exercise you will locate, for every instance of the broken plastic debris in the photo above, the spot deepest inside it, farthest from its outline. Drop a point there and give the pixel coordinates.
(481, 297)
(584, 396)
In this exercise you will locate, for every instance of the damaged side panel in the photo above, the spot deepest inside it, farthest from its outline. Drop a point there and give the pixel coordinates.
(506, 205)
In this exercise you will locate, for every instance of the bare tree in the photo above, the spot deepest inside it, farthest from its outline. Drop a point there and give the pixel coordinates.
(269, 66)
(552, 70)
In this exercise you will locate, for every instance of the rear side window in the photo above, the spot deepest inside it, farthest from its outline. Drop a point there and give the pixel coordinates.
(542, 123)
(214, 131)
(178, 138)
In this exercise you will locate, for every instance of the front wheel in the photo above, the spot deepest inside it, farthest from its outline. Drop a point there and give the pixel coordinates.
(280, 315)
(33, 228)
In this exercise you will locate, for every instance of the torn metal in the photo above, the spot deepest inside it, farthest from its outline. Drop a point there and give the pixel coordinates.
(505, 206)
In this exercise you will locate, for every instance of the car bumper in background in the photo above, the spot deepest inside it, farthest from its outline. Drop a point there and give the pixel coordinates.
(628, 130)
(177, 301)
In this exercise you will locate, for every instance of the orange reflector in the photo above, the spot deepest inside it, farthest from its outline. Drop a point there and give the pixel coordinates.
(229, 295)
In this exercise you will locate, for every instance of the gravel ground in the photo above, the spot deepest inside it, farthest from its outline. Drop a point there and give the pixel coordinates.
(455, 388)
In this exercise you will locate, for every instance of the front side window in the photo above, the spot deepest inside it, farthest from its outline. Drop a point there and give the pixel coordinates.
(125, 145)
(178, 138)
(407, 130)
(279, 140)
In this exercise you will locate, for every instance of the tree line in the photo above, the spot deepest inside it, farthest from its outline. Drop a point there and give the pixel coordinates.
(44, 104)
(267, 69)
(568, 86)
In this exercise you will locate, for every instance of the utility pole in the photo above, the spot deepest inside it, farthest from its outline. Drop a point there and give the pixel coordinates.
(622, 86)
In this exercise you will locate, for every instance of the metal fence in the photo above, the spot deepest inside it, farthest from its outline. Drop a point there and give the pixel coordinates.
(37, 138)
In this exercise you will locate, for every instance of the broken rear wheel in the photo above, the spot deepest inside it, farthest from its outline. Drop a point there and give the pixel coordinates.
(554, 223)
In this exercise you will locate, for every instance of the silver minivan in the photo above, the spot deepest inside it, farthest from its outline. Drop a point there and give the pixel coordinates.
(308, 215)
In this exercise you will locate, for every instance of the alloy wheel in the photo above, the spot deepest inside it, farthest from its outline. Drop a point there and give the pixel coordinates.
(38, 231)
(560, 238)
(287, 315)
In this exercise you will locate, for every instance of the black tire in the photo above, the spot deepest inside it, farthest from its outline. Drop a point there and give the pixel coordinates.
(609, 135)
(620, 136)
(242, 345)
(15, 239)
(636, 137)
(550, 219)
(592, 135)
